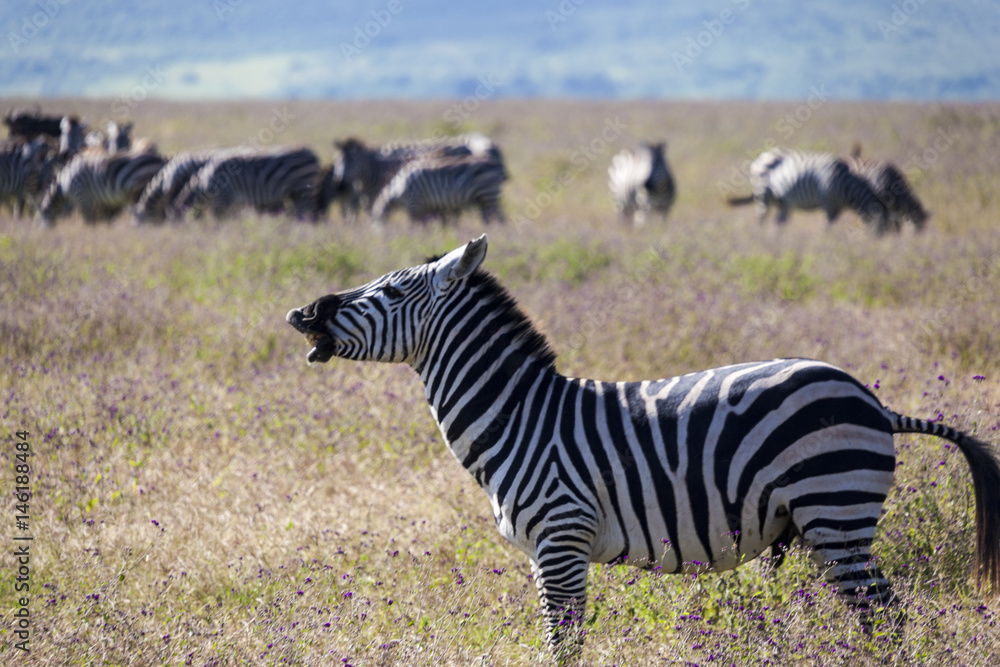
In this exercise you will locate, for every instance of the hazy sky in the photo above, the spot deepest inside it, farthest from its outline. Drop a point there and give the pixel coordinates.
(904, 49)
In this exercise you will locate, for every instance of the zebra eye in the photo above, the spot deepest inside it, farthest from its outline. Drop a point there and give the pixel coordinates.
(392, 292)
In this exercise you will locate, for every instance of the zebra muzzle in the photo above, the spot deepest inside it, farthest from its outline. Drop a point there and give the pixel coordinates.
(310, 322)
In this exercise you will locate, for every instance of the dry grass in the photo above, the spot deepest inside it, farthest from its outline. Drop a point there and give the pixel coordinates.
(203, 497)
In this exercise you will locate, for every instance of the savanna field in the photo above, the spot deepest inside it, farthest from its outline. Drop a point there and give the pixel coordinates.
(202, 496)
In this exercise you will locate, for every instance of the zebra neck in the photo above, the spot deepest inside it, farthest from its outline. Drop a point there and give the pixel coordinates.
(479, 369)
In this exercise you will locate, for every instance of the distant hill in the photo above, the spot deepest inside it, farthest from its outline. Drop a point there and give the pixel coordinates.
(909, 49)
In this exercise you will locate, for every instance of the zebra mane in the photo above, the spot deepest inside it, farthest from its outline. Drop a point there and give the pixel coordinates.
(533, 341)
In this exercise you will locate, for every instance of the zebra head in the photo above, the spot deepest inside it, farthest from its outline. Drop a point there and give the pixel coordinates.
(387, 318)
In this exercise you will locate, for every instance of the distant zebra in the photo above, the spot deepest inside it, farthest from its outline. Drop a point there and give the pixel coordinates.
(794, 179)
(72, 137)
(640, 181)
(892, 189)
(99, 185)
(360, 172)
(266, 181)
(119, 137)
(443, 188)
(160, 198)
(23, 170)
(694, 473)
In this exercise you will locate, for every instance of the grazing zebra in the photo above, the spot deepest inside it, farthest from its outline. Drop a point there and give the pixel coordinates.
(640, 182)
(27, 125)
(159, 199)
(794, 179)
(264, 180)
(892, 189)
(100, 185)
(698, 472)
(361, 173)
(23, 170)
(444, 188)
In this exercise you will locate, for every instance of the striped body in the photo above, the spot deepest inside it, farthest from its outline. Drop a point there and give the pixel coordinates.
(99, 185)
(361, 173)
(640, 182)
(266, 181)
(703, 471)
(159, 199)
(793, 179)
(444, 188)
(893, 191)
(23, 168)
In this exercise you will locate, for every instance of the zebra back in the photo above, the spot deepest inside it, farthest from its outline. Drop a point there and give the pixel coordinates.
(444, 187)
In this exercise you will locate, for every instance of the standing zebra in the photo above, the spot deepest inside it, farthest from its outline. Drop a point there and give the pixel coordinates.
(266, 180)
(23, 171)
(100, 185)
(444, 188)
(794, 179)
(640, 182)
(703, 471)
(119, 136)
(892, 189)
(159, 199)
(72, 137)
(361, 173)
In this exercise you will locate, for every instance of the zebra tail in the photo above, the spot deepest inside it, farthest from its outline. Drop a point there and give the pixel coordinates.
(740, 201)
(986, 484)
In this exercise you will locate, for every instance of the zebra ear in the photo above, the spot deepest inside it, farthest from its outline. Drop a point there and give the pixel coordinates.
(461, 262)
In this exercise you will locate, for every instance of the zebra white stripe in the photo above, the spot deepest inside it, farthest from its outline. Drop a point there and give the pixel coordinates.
(703, 471)
(794, 179)
(266, 181)
(23, 169)
(99, 185)
(640, 181)
(443, 188)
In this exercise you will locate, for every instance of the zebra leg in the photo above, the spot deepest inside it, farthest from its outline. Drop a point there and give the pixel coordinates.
(561, 578)
(782, 213)
(761, 206)
(841, 543)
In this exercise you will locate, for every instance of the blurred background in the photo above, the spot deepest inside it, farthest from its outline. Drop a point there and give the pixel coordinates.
(722, 49)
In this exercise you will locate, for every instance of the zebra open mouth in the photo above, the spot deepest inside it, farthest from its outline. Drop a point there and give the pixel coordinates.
(322, 342)
(323, 348)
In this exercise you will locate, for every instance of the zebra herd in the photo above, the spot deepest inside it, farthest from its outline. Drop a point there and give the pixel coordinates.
(53, 165)
(101, 175)
(692, 473)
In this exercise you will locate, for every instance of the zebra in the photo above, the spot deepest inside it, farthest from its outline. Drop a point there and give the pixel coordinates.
(444, 188)
(265, 180)
(640, 181)
(159, 199)
(892, 189)
(795, 179)
(361, 173)
(23, 170)
(119, 137)
(100, 185)
(693, 473)
(72, 137)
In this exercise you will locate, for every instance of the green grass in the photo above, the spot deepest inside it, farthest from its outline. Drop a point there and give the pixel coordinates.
(202, 495)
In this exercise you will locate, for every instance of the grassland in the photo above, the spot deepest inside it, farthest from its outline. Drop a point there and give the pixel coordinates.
(201, 496)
